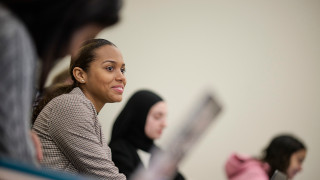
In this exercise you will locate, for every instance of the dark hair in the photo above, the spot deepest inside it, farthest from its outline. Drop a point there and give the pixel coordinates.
(83, 59)
(279, 152)
(86, 55)
(52, 23)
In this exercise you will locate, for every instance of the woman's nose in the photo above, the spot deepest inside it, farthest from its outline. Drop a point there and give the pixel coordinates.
(120, 76)
(164, 123)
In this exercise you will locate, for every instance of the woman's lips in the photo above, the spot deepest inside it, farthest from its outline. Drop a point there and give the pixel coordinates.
(118, 89)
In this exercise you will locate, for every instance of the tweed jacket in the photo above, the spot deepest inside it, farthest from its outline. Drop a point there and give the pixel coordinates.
(71, 137)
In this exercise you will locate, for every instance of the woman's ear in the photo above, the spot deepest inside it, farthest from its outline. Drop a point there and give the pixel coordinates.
(80, 75)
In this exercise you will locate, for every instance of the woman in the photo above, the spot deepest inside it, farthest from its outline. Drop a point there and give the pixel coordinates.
(285, 153)
(140, 123)
(68, 125)
(35, 30)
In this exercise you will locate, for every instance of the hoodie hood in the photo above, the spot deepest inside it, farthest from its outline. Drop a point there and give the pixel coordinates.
(242, 167)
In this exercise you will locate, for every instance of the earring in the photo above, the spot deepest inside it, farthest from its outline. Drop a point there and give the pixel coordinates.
(82, 80)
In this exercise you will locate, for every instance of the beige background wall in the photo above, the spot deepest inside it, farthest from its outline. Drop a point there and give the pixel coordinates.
(261, 58)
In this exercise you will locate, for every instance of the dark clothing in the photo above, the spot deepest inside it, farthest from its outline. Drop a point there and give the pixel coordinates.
(126, 158)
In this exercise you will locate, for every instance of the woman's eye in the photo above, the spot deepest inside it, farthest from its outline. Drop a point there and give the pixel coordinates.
(123, 70)
(109, 68)
(157, 116)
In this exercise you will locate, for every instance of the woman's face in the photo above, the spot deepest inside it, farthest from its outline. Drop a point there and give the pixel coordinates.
(296, 161)
(105, 80)
(156, 120)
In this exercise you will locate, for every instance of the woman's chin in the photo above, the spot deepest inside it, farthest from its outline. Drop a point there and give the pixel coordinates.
(115, 99)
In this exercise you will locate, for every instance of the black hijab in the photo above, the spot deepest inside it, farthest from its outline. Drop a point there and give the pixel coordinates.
(130, 123)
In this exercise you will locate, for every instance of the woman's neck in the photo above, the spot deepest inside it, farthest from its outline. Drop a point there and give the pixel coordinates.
(98, 105)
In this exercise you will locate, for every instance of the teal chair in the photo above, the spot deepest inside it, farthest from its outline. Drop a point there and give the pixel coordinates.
(14, 170)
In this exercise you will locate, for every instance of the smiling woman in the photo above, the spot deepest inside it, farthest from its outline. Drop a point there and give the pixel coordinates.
(104, 80)
(68, 126)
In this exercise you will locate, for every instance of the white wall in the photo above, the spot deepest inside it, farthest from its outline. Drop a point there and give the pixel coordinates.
(262, 59)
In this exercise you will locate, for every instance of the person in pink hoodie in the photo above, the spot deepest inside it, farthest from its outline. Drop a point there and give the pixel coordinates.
(285, 153)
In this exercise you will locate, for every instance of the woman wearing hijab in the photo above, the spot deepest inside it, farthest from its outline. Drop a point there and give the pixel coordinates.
(141, 121)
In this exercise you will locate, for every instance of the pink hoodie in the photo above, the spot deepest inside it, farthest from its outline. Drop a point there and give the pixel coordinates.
(241, 167)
